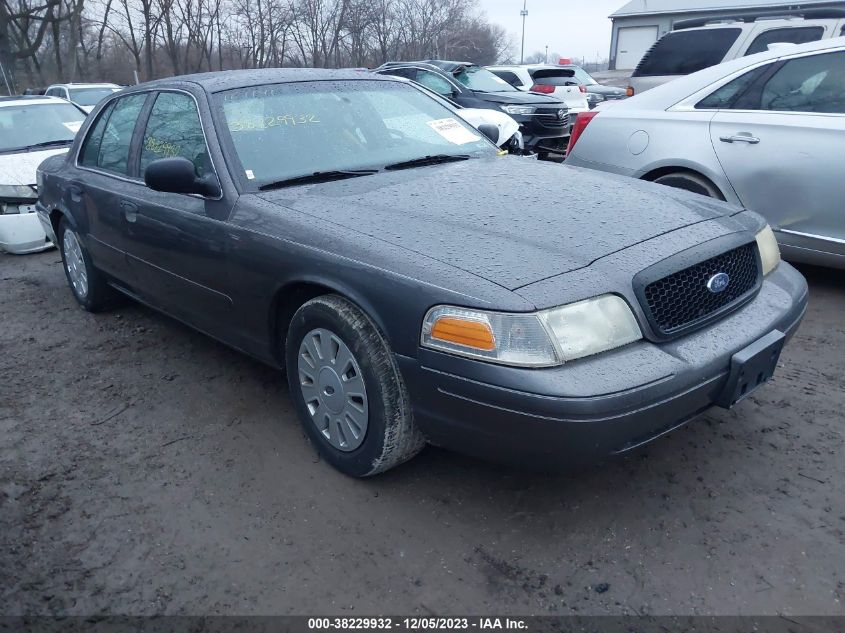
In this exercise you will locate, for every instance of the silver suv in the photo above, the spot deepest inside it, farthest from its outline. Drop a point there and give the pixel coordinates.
(697, 44)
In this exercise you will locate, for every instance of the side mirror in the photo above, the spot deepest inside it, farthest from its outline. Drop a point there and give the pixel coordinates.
(178, 175)
(490, 131)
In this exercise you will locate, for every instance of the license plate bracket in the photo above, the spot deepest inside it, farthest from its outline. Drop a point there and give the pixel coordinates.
(752, 367)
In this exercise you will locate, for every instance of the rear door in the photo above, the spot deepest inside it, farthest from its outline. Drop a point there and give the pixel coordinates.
(782, 146)
(103, 178)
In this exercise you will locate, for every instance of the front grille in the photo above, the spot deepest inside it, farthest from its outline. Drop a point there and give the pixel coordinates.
(681, 300)
(549, 118)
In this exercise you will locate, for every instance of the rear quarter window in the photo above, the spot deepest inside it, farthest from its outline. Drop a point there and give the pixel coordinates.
(794, 35)
(686, 52)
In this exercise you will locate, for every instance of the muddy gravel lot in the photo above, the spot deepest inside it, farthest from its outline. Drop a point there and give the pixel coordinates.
(148, 469)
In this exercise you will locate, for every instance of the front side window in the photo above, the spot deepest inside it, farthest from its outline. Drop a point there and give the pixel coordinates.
(284, 131)
(110, 151)
(24, 127)
(686, 52)
(807, 84)
(174, 129)
(799, 35)
(508, 76)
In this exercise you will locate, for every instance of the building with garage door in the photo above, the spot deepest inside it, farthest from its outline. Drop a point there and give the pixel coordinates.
(640, 23)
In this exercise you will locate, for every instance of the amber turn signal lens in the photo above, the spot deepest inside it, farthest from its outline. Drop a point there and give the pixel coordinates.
(475, 334)
(629, 91)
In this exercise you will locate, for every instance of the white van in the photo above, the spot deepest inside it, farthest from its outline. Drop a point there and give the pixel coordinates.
(697, 44)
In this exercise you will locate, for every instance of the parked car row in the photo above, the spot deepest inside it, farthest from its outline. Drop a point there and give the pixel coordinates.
(353, 230)
(765, 132)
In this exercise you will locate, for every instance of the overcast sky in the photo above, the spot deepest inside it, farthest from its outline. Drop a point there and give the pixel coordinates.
(578, 28)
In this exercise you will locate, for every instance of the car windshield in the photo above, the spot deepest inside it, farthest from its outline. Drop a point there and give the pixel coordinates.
(285, 131)
(481, 79)
(36, 124)
(90, 96)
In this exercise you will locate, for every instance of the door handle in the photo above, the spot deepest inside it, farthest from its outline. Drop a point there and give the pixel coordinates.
(740, 138)
(130, 211)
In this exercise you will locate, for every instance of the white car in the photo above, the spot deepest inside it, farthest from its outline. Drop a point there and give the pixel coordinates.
(765, 132)
(86, 96)
(31, 129)
(547, 79)
(699, 43)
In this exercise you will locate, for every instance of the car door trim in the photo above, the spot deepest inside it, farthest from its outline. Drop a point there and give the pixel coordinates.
(823, 238)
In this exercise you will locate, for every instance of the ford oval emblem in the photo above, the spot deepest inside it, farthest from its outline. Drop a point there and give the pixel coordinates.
(718, 283)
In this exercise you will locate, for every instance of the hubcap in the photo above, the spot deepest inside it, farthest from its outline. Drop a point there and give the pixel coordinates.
(333, 389)
(75, 264)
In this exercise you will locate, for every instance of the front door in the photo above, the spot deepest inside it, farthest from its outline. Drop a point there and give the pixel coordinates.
(783, 148)
(175, 246)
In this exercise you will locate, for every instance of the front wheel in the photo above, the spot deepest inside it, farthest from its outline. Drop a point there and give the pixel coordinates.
(347, 389)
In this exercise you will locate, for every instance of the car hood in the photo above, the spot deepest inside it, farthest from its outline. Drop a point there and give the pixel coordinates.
(512, 221)
(19, 168)
(520, 98)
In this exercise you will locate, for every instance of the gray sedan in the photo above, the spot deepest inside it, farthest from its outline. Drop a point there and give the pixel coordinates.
(351, 230)
(766, 132)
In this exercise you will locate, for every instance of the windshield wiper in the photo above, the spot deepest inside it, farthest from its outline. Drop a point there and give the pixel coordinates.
(434, 159)
(317, 177)
(25, 148)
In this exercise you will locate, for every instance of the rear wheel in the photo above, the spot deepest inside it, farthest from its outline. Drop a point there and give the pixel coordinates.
(690, 182)
(347, 389)
(88, 284)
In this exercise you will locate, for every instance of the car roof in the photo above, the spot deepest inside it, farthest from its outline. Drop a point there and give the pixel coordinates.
(231, 79)
(28, 100)
(670, 93)
(448, 65)
(97, 85)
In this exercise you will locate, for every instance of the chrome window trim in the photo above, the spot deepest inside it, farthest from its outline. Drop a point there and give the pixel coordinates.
(140, 181)
(824, 238)
(687, 104)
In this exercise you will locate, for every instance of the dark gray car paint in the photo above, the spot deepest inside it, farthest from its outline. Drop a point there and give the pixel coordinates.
(399, 243)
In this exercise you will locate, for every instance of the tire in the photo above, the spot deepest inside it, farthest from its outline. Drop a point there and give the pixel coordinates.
(335, 397)
(690, 182)
(88, 285)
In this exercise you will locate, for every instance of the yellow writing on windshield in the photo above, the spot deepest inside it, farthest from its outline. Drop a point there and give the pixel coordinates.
(263, 122)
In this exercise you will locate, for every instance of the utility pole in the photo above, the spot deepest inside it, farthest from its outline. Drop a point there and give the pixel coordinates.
(524, 14)
(547, 54)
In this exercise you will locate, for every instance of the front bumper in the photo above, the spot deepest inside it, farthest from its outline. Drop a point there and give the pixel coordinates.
(595, 407)
(22, 233)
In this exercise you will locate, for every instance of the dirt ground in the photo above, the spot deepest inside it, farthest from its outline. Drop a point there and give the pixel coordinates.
(148, 469)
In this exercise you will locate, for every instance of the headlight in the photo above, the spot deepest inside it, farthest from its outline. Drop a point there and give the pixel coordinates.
(541, 339)
(17, 192)
(518, 109)
(767, 244)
